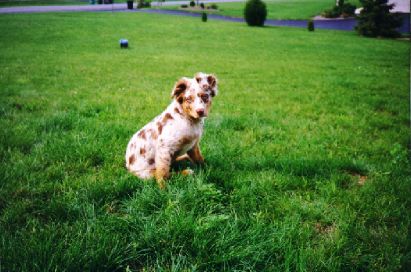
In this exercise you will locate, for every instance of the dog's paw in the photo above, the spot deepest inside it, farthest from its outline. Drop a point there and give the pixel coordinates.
(187, 172)
(161, 184)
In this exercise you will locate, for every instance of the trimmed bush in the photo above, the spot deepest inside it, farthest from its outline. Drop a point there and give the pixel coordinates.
(348, 10)
(184, 6)
(192, 3)
(143, 4)
(204, 17)
(342, 9)
(310, 25)
(213, 6)
(202, 5)
(331, 13)
(255, 12)
(376, 20)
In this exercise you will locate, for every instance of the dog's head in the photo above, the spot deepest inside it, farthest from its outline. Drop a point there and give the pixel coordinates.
(207, 82)
(195, 99)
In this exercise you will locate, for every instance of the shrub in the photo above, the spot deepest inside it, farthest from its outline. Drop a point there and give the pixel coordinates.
(342, 8)
(331, 13)
(204, 17)
(213, 6)
(192, 3)
(310, 25)
(184, 6)
(375, 19)
(347, 10)
(255, 12)
(202, 5)
(143, 4)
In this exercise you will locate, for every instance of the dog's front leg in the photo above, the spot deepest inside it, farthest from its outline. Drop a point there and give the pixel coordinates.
(183, 158)
(163, 162)
(195, 154)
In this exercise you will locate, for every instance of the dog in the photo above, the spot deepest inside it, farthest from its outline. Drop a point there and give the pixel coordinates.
(175, 134)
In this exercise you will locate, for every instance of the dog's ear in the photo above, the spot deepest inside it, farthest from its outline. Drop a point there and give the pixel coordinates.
(212, 81)
(199, 76)
(180, 87)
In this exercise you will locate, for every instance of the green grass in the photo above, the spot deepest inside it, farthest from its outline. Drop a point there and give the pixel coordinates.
(302, 119)
(277, 9)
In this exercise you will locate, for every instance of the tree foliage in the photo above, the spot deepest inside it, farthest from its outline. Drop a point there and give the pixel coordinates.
(376, 20)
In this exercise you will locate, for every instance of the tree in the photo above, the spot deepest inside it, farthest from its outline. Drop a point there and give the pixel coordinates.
(376, 20)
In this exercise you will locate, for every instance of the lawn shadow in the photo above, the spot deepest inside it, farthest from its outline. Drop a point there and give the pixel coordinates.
(301, 167)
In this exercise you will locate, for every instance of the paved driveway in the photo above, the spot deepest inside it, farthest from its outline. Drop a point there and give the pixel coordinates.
(111, 7)
(400, 6)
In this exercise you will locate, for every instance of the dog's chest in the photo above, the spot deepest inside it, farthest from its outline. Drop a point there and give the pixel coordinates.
(183, 135)
(187, 142)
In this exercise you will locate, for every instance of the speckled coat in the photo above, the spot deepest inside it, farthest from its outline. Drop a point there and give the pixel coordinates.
(175, 133)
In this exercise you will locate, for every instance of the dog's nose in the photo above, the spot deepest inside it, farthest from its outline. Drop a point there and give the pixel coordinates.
(200, 112)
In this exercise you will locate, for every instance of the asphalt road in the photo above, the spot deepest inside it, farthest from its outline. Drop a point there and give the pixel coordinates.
(109, 7)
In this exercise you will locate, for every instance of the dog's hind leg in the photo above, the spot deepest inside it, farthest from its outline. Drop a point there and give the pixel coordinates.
(163, 162)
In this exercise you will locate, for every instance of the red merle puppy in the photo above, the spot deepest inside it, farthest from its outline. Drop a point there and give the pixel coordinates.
(175, 133)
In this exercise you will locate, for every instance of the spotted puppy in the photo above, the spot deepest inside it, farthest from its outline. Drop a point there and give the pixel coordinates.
(174, 134)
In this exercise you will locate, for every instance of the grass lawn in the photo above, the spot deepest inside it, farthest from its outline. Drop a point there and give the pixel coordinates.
(306, 147)
(277, 9)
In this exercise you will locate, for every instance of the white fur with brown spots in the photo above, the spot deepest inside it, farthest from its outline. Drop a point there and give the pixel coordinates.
(175, 133)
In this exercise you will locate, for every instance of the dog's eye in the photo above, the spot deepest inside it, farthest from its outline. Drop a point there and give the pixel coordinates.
(205, 98)
(198, 79)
